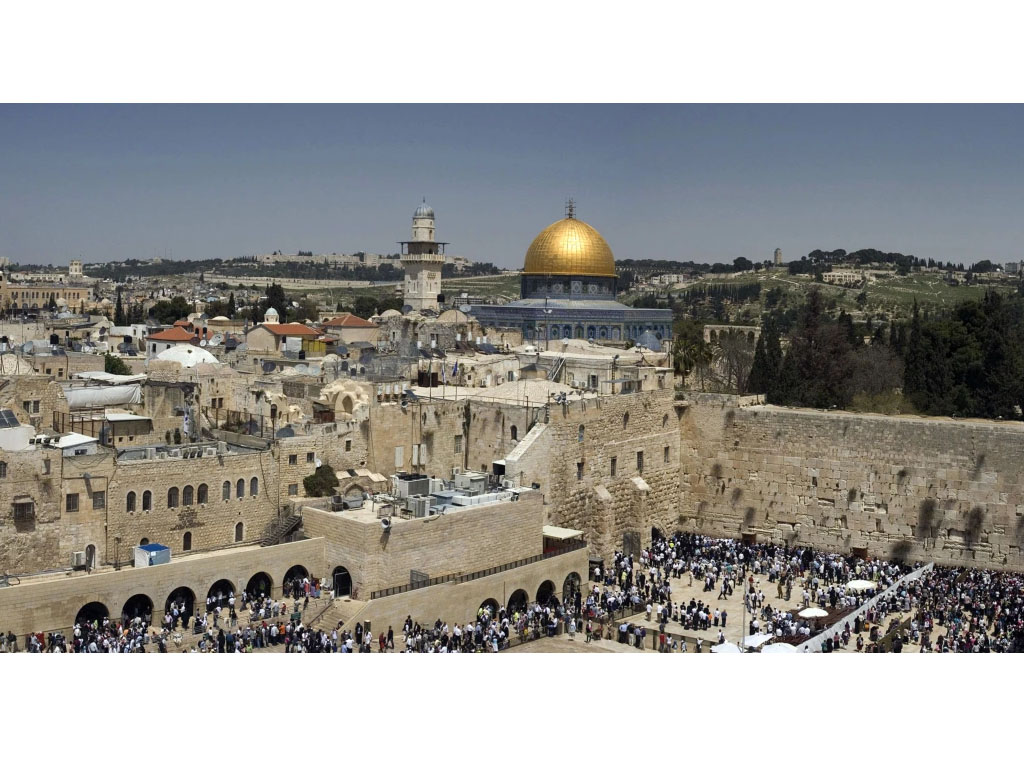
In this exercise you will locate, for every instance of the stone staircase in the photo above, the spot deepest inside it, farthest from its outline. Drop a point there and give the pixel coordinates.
(342, 609)
(282, 529)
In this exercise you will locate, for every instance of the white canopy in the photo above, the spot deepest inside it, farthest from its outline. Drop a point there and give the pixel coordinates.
(860, 585)
(95, 397)
(554, 532)
(111, 378)
(813, 613)
(755, 641)
(726, 648)
(779, 648)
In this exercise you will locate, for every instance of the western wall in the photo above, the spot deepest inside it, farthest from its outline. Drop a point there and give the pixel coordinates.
(931, 489)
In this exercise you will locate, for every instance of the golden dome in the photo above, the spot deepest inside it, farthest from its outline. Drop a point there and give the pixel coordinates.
(569, 247)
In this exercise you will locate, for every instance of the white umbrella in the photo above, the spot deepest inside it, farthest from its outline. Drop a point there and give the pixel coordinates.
(812, 613)
(726, 648)
(753, 641)
(779, 648)
(860, 585)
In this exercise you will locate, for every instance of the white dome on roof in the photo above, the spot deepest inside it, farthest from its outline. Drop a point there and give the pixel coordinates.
(424, 211)
(271, 315)
(187, 356)
(220, 319)
(390, 313)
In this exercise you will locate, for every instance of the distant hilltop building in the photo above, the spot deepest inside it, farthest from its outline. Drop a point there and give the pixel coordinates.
(778, 257)
(422, 259)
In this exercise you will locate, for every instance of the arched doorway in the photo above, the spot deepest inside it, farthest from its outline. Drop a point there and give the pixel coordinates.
(138, 606)
(342, 581)
(90, 556)
(92, 612)
(220, 592)
(656, 534)
(184, 598)
(571, 588)
(491, 605)
(518, 600)
(546, 593)
(260, 584)
(292, 578)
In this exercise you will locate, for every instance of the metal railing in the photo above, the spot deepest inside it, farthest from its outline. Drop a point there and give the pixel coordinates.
(455, 578)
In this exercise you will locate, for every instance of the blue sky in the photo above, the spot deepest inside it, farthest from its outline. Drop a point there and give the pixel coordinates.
(707, 183)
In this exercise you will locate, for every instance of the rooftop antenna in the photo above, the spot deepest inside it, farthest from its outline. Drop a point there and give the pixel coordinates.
(570, 209)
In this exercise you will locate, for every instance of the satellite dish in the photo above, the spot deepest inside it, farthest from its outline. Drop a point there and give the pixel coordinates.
(465, 308)
(385, 523)
(217, 339)
(202, 343)
(319, 463)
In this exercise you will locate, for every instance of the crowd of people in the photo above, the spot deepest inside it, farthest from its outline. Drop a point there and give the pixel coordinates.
(947, 610)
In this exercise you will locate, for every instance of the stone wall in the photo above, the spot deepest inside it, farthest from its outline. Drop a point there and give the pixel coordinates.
(472, 539)
(575, 473)
(920, 488)
(453, 603)
(33, 543)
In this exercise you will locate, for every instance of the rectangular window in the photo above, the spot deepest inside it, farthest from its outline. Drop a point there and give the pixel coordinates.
(458, 443)
(399, 456)
(579, 470)
(46, 466)
(35, 406)
(666, 454)
(99, 499)
(293, 459)
(293, 489)
(639, 461)
(309, 457)
(24, 510)
(615, 461)
(71, 502)
(348, 446)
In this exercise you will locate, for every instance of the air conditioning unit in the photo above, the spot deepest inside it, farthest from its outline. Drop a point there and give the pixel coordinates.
(78, 559)
(151, 453)
(174, 453)
(419, 505)
(209, 451)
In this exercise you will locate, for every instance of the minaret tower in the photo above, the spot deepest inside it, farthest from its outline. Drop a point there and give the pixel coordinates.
(422, 259)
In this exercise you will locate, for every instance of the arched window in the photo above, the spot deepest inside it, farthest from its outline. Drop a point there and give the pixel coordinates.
(225, 493)
(186, 541)
(239, 531)
(188, 496)
(254, 487)
(202, 494)
(130, 501)
(514, 431)
(625, 419)
(147, 501)
(172, 498)
(143, 541)
(240, 489)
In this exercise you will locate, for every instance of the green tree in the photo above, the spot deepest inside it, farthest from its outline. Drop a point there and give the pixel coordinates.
(277, 300)
(119, 316)
(166, 312)
(115, 365)
(321, 483)
(764, 373)
(231, 304)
